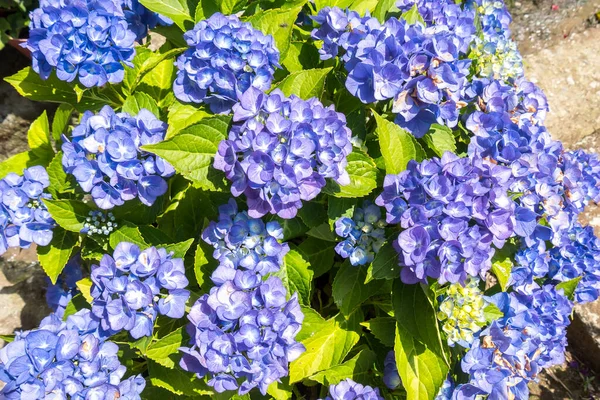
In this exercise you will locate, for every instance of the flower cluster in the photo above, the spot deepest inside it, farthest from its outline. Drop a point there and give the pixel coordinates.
(243, 332)
(61, 360)
(364, 234)
(455, 212)
(132, 286)
(512, 350)
(577, 257)
(350, 390)
(447, 390)
(280, 150)
(140, 19)
(24, 218)
(99, 223)
(225, 58)
(105, 157)
(391, 378)
(59, 294)
(244, 244)
(83, 39)
(423, 69)
(462, 312)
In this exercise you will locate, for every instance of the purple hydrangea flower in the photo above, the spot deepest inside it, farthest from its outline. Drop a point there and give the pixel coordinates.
(140, 19)
(243, 334)
(105, 157)
(244, 243)
(350, 390)
(364, 234)
(391, 378)
(225, 58)
(99, 223)
(280, 150)
(24, 218)
(61, 360)
(59, 294)
(132, 286)
(81, 39)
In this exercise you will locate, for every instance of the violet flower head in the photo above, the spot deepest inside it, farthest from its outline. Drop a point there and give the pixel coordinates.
(391, 378)
(106, 158)
(350, 390)
(61, 360)
(24, 218)
(59, 294)
(225, 58)
(280, 150)
(131, 287)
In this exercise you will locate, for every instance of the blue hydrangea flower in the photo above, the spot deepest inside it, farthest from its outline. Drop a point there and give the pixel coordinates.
(24, 218)
(99, 223)
(59, 294)
(81, 39)
(140, 19)
(512, 350)
(243, 334)
(105, 157)
(132, 286)
(225, 58)
(447, 390)
(364, 234)
(391, 378)
(244, 243)
(350, 390)
(65, 360)
(280, 150)
(455, 212)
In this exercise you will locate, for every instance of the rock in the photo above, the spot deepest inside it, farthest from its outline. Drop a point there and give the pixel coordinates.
(584, 334)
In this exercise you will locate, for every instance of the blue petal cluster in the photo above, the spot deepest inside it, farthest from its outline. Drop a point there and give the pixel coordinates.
(391, 378)
(243, 332)
(105, 157)
(140, 19)
(364, 234)
(99, 223)
(455, 212)
(24, 218)
(59, 294)
(224, 59)
(280, 150)
(423, 69)
(512, 350)
(133, 286)
(244, 244)
(88, 40)
(65, 360)
(350, 390)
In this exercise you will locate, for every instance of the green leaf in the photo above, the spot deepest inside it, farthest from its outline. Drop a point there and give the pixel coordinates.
(153, 236)
(85, 287)
(278, 23)
(413, 16)
(364, 6)
(415, 315)
(343, 4)
(16, 164)
(358, 368)
(313, 323)
(569, 287)
(146, 60)
(349, 289)
(323, 232)
(280, 390)
(320, 255)
(176, 380)
(158, 82)
(304, 84)
(191, 152)
(77, 303)
(7, 338)
(385, 265)
(62, 118)
(206, 8)
(440, 139)
(421, 370)
(383, 7)
(301, 56)
(127, 233)
(177, 10)
(183, 115)
(492, 313)
(165, 351)
(502, 269)
(38, 139)
(398, 147)
(55, 256)
(292, 228)
(340, 207)
(179, 249)
(326, 347)
(383, 328)
(58, 178)
(138, 101)
(312, 214)
(296, 275)
(363, 177)
(29, 84)
(69, 214)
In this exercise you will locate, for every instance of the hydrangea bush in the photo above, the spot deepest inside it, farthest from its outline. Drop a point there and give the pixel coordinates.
(306, 199)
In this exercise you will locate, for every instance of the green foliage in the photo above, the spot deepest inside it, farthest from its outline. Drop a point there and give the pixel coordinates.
(305, 84)
(398, 147)
(296, 275)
